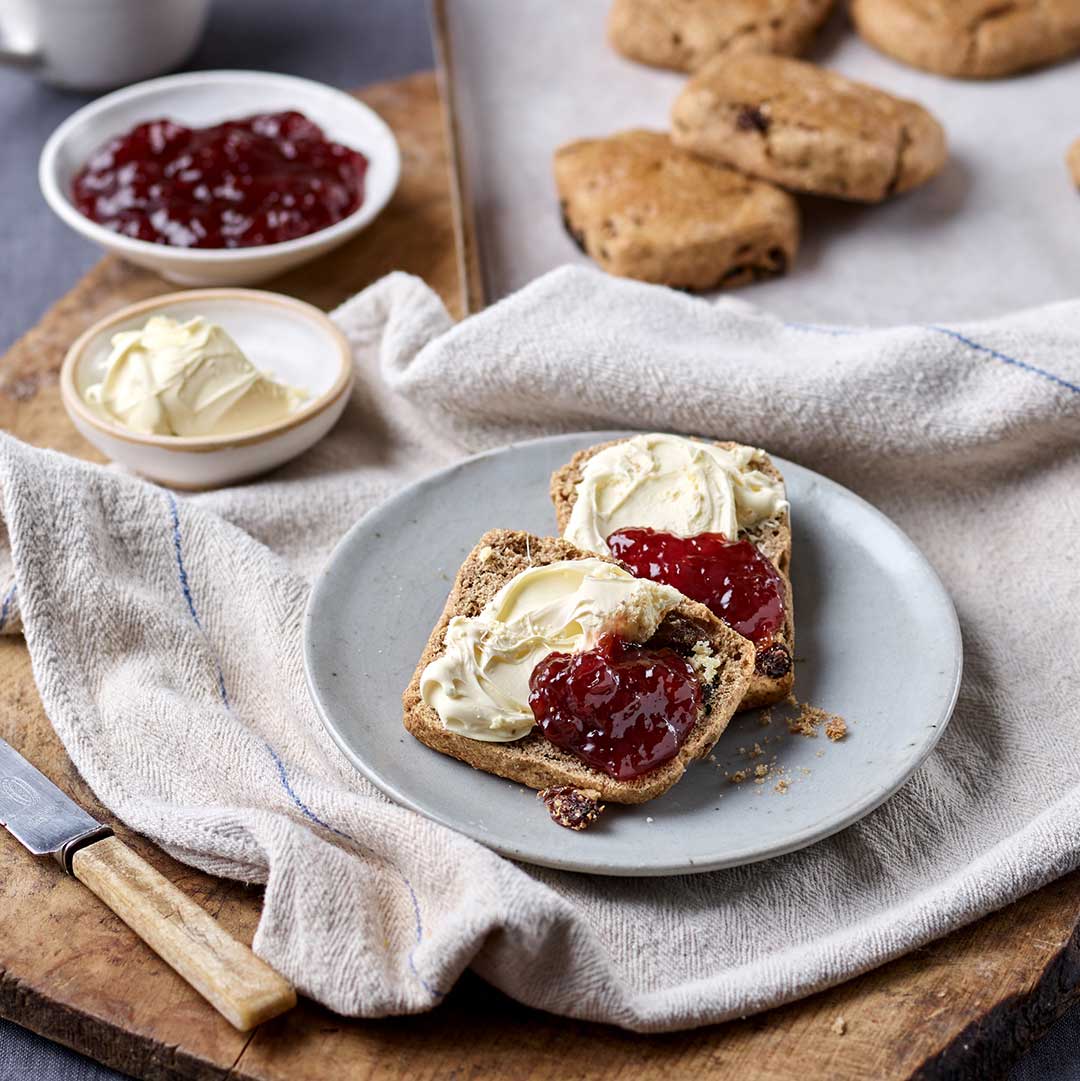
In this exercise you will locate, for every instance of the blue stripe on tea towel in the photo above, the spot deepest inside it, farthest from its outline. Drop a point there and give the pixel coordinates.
(844, 332)
(282, 772)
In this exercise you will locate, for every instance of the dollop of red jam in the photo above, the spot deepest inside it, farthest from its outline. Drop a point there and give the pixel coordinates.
(622, 708)
(256, 180)
(732, 578)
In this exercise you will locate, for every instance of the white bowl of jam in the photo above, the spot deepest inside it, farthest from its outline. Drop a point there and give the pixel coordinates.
(220, 177)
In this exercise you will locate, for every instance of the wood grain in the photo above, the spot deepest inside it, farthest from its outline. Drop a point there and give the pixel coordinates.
(244, 989)
(463, 205)
(964, 1007)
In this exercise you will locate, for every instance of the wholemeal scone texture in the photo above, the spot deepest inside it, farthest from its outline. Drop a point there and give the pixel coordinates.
(500, 555)
(971, 39)
(642, 208)
(1072, 159)
(772, 537)
(807, 128)
(684, 34)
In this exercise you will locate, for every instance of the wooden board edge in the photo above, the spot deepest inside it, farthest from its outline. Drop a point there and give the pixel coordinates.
(992, 1044)
(101, 1040)
(463, 208)
(1018, 1019)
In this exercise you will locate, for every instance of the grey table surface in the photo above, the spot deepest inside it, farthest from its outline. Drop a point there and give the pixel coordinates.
(343, 42)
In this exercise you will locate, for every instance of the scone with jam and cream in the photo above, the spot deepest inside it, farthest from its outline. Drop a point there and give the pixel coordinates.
(554, 666)
(710, 519)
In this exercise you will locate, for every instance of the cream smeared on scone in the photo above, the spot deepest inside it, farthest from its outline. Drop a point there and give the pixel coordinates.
(479, 686)
(674, 484)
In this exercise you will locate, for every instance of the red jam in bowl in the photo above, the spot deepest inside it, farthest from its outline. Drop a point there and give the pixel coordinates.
(621, 708)
(256, 180)
(732, 578)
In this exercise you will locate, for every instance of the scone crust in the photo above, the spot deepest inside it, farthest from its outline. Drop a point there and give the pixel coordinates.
(533, 760)
(1072, 159)
(971, 39)
(773, 541)
(807, 128)
(642, 208)
(684, 34)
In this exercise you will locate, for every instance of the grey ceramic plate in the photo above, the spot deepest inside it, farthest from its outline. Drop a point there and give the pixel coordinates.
(877, 640)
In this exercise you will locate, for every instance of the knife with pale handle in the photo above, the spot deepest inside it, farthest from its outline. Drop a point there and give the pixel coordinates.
(243, 988)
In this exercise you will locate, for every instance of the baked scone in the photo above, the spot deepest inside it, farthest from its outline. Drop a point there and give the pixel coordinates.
(971, 39)
(724, 659)
(774, 669)
(1072, 159)
(684, 34)
(806, 128)
(642, 208)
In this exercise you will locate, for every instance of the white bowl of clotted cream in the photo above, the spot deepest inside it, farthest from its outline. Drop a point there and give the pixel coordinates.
(198, 99)
(290, 342)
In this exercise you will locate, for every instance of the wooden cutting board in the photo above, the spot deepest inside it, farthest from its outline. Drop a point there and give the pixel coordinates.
(964, 1007)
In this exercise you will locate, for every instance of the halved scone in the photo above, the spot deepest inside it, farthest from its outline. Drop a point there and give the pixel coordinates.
(721, 660)
(774, 673)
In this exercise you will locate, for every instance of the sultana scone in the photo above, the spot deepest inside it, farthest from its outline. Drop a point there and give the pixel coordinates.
(642, 208)
(684, 34)
(807, 128)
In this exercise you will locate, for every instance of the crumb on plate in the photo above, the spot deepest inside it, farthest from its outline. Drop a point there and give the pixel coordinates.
(572, 808)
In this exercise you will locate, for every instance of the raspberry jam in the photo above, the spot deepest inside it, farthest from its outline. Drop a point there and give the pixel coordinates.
(621, 708)
(256, 180)
(732, 578)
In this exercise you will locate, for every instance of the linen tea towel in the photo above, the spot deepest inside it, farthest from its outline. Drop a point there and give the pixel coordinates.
(165, 638)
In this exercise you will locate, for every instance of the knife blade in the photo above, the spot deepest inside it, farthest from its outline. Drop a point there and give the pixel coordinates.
(38, 814)
(241, 986)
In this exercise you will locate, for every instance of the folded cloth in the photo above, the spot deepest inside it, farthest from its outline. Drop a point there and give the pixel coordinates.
(165, 639)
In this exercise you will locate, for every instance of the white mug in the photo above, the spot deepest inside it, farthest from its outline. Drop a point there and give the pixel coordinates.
(99, 44)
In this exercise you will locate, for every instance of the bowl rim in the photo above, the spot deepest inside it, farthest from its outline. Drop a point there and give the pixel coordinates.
(60, 202)
(77, 408)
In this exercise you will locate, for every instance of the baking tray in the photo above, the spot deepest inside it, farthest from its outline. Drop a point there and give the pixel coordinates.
(999, 229)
